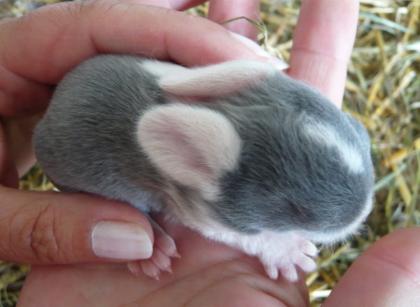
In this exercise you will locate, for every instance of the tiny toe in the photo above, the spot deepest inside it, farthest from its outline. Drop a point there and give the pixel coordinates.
(161, 260)
(271, 271)
(150, 269)
(289, 272)
(309, 248)
(163, 241)
(135, 268)
(306, 264)
(167, 245)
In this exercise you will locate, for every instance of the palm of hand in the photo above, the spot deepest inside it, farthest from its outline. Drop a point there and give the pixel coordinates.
(219, 276)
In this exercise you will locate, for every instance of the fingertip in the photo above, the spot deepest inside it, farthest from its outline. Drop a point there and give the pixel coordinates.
(327, 28)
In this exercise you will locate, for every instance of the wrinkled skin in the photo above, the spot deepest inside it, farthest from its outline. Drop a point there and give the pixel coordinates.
(386, 275)
(38, 49)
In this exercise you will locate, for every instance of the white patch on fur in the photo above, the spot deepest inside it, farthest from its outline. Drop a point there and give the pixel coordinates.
(339, 235)
(162, 69)
(325, 134)
(277, 251)
(216, 80)
(191, 145)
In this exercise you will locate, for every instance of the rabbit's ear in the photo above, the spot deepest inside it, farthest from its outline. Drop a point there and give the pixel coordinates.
(193, 146)
(210, 81)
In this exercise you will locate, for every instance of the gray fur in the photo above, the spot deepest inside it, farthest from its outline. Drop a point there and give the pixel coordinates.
(284, 179)
(86, 139)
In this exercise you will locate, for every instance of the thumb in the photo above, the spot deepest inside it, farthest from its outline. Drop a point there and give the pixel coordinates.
(59, 228)
(387, 274)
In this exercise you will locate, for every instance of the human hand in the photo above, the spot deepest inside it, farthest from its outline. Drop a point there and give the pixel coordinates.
(209, 274)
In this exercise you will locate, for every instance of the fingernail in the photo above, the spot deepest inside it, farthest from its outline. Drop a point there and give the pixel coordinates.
(255, 48)
(119, 240)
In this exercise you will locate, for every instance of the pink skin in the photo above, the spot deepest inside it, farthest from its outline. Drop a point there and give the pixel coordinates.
(164, 250)
(35, 53)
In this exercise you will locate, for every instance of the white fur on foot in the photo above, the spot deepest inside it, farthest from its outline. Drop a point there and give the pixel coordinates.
(306, 263)
(289, 272)
(277, 251)
(292, 251)
(272, 271)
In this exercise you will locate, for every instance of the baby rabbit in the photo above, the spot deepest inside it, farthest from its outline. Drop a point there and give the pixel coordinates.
(237, 151)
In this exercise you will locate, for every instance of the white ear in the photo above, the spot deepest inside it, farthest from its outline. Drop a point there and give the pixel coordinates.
(161, 69)
(216, 80)
(191, 145)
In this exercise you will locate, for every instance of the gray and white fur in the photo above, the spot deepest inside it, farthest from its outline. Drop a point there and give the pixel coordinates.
(237, 151)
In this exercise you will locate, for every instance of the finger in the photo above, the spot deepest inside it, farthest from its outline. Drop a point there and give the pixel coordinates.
(221, 11)
(19, 133)
(19, 95)
(44, 228)
(8, 172)
(41, 45)
(387, 274)
(170, 4)
(184, 4)
(111, 27)
(322, 45)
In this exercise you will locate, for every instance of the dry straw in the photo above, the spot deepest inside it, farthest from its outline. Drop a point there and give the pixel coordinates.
(382, 91)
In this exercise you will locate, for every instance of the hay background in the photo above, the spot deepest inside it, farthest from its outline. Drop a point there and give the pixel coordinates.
(382, 91)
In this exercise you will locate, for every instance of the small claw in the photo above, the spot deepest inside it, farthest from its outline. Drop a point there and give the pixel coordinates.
(163, 241)
(167, 245)
(134, 268)
(161, 260)
(150, 269)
